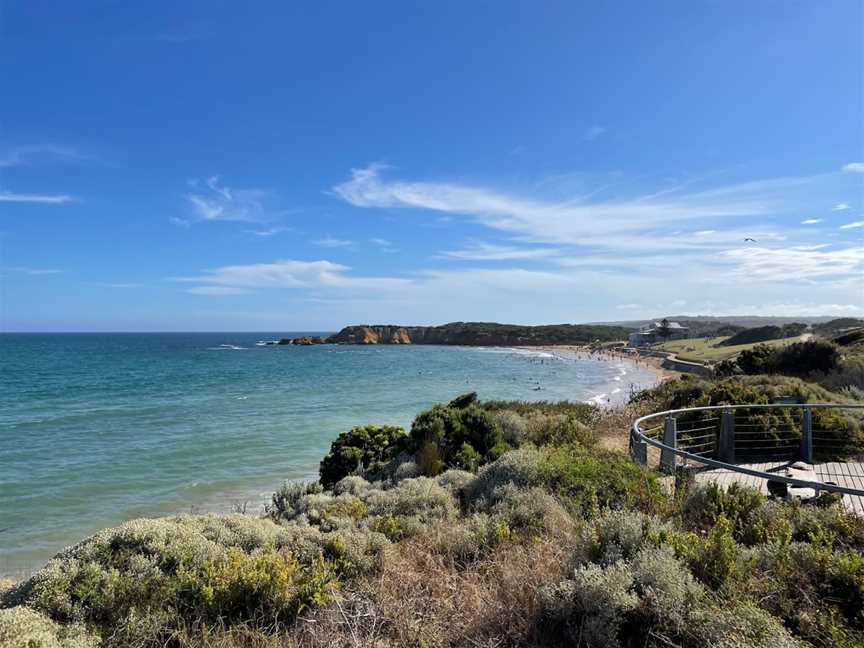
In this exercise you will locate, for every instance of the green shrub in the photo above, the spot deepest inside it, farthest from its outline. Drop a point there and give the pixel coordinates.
(717, 558)
(705, 505)
(364, 449)
(737, 625)
(666, 588)
(803, 358)
(285, 502)
(761, 359)
(585, 482)
(467, 458)
(588, 482)
(617, 535)
(586, 413)
(590, 608)
(456, 435)
(239, 587)
(177, 572)
(22, 627)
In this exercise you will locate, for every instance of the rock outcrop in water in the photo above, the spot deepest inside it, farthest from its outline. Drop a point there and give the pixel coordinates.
(305, 340)
(479, 334)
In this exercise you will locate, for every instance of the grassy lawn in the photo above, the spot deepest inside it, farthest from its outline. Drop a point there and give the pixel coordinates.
(706, 349)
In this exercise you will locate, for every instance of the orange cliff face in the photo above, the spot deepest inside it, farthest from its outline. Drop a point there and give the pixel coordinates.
(372, 335)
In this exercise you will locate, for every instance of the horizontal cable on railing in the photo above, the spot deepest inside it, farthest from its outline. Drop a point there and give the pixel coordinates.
(696, 438)
(699, 445)
(701, 429)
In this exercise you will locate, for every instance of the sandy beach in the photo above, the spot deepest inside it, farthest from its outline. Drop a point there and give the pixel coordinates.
(571, 351)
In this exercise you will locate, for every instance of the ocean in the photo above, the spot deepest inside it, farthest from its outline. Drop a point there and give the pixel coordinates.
(96, 429)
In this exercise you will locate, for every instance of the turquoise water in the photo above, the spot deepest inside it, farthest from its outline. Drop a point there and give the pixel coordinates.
(96, 429)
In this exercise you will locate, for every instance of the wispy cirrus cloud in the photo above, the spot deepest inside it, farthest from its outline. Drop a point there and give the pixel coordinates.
(490, 252)
(809, 263)
(840, 207)
(641, 221)
(811, 221)
(854, 167)
(331, 242)
(288, 273)
(854, 225)
(44, 199)
(213, 201)
(269, 231)
(38, 153)
(383, 244)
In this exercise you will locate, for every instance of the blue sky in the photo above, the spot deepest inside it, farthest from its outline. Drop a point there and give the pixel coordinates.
(302, 166)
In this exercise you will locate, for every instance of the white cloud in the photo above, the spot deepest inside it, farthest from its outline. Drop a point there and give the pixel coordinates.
(222, 203)
(796, 263)
(383, 245)
(593, 133)
(643, 222)
(854, 225)
(840, 207)
(180, 222)
(290, 274)
(331, 242)
(28, 155)
(46, 199)
(489, 252)
(811, 221)
(854, 167)
(629, 306)
(270, 231)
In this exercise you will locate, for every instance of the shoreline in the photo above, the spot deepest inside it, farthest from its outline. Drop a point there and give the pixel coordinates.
(651, 363)
(647, 363)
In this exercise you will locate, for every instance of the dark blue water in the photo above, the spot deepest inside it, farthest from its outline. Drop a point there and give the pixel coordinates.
(96, 428)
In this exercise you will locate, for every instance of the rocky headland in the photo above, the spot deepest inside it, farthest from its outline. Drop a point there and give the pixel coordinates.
(479, 334)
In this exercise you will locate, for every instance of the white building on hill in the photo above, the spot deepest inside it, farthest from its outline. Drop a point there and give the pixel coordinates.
(651, 333)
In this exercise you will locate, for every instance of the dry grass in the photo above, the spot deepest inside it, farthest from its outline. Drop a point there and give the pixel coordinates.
(613, 426)
(425, 598)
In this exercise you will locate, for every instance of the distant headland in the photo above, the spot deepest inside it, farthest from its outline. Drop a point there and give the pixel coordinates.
(469, 334)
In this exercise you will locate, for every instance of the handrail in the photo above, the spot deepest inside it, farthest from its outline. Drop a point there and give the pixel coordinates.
(638, 438)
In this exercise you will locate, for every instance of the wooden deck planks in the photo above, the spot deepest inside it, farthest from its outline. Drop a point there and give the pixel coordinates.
(850, 475)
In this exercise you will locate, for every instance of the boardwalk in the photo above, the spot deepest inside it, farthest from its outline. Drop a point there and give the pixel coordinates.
(850, 475)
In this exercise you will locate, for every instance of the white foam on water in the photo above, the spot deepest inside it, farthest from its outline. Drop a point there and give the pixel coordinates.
(512, 351)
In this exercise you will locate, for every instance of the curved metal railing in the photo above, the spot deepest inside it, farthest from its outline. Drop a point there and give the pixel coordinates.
(723, 436)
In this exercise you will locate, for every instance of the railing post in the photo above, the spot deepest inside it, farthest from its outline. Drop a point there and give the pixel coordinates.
(670, 439)
(726, 441)
(807, 436)
(638, 448)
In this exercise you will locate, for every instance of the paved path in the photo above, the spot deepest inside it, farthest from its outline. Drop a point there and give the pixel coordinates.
(850, 475)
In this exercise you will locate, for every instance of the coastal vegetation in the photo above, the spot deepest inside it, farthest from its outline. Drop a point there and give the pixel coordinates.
(488, 523)
(765, 333)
